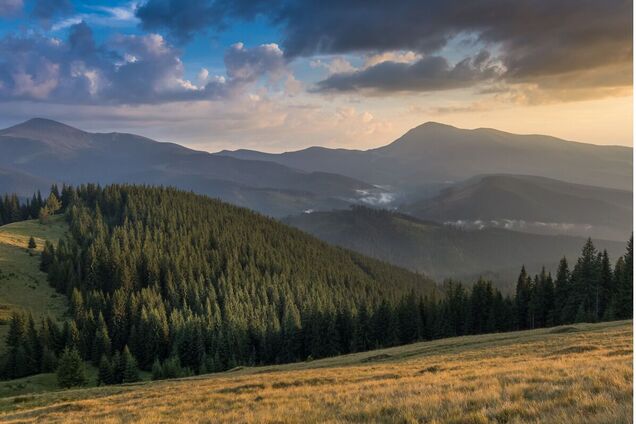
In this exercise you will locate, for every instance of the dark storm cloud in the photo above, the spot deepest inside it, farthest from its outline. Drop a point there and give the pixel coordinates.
(10, 7)
(183, 19)
(127, 69)
(537, 41)
(48, 9)
(430, 73)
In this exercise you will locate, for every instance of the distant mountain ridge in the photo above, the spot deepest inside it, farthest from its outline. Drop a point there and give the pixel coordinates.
(47, 151)
(438, 153)
(442, 251)
(532, 204)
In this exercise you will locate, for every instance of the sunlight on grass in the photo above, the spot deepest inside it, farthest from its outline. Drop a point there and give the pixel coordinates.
(580, 373)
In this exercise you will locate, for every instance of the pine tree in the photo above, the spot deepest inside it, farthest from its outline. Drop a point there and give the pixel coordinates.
(563, 310)
(32, 243)
(625, 285)
(523, 297)
(606, 289)
(130, 372)
(105, 371)
(70, 371)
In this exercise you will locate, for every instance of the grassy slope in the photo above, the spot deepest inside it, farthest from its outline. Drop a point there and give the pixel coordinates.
(22, 285)
(579, 373)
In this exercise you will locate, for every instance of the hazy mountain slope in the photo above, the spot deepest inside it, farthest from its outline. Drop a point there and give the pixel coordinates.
(533, 204)
(50, 151)
(434, 153)
(20, 183)
(442, 251)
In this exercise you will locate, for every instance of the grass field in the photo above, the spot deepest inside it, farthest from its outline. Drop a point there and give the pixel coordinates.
(22, 285)
(573, 374)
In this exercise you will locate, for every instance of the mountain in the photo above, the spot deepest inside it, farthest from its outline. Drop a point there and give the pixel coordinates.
(442, 251)
(45, 151)
(532, 204)
(434, 153)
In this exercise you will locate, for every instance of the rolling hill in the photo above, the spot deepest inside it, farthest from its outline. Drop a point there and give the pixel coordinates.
(532, 204)
(442, 251)
(39, 152)
(575, 373)
(435, 153)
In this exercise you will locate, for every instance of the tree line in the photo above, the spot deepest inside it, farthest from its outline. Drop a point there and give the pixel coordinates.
(179, 284)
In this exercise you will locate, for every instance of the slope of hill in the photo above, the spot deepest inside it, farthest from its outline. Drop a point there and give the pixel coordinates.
(533, 204)
(437, 153)
(23, 287)
(175, 276)
(577, 373)
(46, 151)
(443, 251)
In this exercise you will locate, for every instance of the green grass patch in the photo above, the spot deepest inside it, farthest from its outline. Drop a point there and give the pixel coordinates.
(23, 286)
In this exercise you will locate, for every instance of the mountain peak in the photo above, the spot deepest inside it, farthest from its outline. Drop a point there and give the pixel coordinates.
(43, 124)
(433, 124)
(48, 131)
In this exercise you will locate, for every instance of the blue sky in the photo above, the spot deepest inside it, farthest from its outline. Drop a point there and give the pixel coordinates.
(285, 74)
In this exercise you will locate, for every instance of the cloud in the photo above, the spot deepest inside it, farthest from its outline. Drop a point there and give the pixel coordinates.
(184, 19)
(552, 44)
(118, 16)
(430, 73)
(247, 65)
(10, 7)
(126, 69)
(46, 10)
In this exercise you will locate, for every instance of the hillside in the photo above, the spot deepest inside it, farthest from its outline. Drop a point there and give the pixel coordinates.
(41, 151)
(576, 373)
(23, 287)
(166, 276)
(435, 153)
(532, 204)
(443, 251)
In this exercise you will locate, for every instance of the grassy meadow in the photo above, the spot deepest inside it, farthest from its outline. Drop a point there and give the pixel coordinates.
(569, 374)
(22, 285)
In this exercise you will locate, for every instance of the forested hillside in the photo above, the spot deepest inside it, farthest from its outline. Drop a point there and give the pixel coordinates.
(444, 251)
(177, 276)
(182, 284)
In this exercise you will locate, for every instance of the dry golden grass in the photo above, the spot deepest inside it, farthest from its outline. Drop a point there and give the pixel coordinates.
(574, 374)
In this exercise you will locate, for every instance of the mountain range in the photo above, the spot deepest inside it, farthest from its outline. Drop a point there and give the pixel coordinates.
(435, 153)
(467, 202)
(42, 151)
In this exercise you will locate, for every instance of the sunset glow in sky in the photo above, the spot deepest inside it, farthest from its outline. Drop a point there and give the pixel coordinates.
(283, 75)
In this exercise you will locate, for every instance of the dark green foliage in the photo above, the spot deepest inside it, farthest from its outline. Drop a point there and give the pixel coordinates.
(180, 284)
(130, 372)
(32, 244)
(70, 371)
(105, 372)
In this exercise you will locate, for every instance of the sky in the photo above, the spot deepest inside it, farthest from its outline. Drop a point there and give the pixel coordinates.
(281, 75)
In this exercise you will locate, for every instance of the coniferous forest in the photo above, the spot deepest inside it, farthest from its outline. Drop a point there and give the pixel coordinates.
(178, 284)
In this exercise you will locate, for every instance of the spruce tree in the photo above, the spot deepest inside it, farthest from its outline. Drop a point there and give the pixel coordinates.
(105, 372)
(70, 370)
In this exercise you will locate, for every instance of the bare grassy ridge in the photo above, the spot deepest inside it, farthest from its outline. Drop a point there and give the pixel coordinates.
(573, 374)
